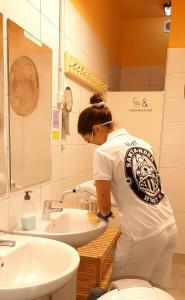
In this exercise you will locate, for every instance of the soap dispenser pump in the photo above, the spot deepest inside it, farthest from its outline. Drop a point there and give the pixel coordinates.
(28, 217)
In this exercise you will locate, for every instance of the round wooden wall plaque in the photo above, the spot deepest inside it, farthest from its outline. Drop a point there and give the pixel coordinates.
(23, 86)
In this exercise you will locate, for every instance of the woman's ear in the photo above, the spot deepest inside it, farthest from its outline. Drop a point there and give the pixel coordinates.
(96, 128)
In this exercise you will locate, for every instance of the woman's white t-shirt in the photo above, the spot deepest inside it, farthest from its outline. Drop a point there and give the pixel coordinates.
(128, 162)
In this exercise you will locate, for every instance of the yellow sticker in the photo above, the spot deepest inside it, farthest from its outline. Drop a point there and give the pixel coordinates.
(55, 135)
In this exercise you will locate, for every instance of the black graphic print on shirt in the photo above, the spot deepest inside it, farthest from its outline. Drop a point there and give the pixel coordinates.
(142, 175)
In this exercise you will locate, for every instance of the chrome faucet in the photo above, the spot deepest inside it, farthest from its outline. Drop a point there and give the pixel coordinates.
(8, 243)
(47, 208)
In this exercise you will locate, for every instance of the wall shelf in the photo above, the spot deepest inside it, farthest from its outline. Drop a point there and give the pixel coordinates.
(75, 69)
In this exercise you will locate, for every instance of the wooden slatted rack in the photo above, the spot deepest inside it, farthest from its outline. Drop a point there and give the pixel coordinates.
(96, 262)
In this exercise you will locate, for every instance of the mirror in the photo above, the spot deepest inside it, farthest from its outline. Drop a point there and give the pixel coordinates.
(3, 174)
(30, 108)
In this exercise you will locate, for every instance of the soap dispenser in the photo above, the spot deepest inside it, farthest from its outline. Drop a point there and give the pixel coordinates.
(28, 217)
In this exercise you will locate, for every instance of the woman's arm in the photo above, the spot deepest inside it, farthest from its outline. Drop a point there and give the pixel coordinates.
(103, 196)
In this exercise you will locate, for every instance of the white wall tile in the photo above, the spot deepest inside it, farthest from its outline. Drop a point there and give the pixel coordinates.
(74, 50)
(16, 128)
(73, 138)
(172, 156)
(173, 178)
(56, 163)
(174, 109)
(180, 219)
(149, 78)
(176, 60)
(42, 111)
(17, 171)
(76, 159)
(123, 88)
(137, 88)
(36, 171)
(123, 76)
(42, 61)
(40, 150)
(174, 85)
(50, 37)
(173, 133)
(45, 86)
(51, 10)
(4, 215)
(29, 20)
(35, 3)
(44, 128)
(54, 86)
(85, 98)
(137, 76)
(177, 199)
(173, 139)
(2, 6)
(73, 180)
(156, 88)
(157, 75)
(16, 149)
(180, 248)
(51, 191)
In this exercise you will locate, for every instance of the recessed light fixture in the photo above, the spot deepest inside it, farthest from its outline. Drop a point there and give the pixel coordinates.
(167, 8)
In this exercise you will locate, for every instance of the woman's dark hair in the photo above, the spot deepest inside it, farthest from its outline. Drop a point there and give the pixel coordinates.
(94, 115)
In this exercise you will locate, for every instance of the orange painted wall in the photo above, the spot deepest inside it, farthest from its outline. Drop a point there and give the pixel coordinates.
(131, 42)
(177, 32)
(144, 42)
(104, 19)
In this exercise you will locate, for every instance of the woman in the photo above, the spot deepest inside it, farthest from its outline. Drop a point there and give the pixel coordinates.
(124, 166)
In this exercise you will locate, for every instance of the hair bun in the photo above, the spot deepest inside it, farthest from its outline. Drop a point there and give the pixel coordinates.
(96, 98)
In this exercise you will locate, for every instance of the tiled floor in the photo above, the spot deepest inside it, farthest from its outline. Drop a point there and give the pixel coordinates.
(177, 284)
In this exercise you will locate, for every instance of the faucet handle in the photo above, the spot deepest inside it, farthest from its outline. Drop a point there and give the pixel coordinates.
(8, 243)
(48, 203)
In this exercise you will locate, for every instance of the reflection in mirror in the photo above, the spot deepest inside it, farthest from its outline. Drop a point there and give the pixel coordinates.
(30, 94)
(2, 123)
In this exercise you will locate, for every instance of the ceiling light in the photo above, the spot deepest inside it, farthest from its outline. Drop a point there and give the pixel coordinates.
(167, 9)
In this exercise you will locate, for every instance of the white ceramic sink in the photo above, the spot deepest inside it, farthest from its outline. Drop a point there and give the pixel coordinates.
(71, 226)
(34, 267)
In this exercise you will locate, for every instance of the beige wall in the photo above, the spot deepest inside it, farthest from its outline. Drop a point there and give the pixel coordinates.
(71, 162)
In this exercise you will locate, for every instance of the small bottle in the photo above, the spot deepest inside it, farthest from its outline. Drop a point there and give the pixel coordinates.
(28, 218)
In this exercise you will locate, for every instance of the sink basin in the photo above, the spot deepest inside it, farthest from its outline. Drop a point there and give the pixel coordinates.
(35, 267)
(71, 226)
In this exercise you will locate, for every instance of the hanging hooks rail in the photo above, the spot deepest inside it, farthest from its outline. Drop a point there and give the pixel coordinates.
(74, 68)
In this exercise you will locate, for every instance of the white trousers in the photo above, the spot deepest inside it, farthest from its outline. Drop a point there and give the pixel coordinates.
(150, 259)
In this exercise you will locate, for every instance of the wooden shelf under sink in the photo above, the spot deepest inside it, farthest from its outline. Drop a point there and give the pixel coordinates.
(96, 262)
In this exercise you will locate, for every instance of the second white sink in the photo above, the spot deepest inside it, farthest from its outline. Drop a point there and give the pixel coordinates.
(71, 226)
(35, 267)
